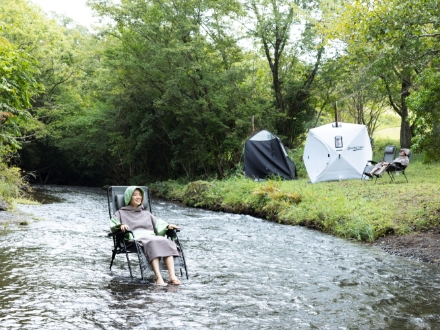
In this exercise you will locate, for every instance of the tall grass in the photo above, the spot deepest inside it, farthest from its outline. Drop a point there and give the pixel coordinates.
(10, 182)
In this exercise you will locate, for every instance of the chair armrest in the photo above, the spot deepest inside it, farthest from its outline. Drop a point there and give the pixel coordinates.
(372, 162)
(399, 166)
(119, 233)
(172, 233)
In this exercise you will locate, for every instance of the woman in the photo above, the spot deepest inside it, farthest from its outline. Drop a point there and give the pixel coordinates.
(382, 166)
(148, 231)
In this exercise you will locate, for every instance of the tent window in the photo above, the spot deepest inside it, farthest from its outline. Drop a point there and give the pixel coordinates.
(338, 142)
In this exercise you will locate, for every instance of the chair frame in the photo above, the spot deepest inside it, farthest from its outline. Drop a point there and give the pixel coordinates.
(392, 168)
(389, 152)
(123, 246)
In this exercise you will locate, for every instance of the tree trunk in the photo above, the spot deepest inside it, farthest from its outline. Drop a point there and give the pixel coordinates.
(405, 134)
(402, 109)
(405, 128)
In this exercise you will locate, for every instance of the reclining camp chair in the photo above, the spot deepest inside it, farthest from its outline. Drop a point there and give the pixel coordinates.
(115, 199)
(388, 156)
(395, 169)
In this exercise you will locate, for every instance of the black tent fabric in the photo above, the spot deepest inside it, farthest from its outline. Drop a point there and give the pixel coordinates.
(265, 155)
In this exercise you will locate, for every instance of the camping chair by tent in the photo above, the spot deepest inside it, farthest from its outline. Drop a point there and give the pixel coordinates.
(388, 156)
(396, 169)
(115, 200)
(392, 169)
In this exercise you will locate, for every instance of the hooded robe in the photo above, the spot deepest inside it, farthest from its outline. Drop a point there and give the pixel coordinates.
(148, 230)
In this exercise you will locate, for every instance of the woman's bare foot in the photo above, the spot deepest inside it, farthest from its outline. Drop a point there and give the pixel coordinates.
(160, 281)
(174, 281)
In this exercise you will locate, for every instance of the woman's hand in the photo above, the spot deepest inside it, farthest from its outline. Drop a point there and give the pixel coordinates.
(124, 228)
(171, 226)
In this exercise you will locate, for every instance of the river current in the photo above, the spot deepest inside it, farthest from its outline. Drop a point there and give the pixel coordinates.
(244, 273)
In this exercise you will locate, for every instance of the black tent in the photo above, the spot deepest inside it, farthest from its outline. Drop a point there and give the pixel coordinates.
(264, 155)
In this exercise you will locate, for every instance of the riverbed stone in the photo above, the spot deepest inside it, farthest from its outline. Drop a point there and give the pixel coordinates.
(3, 205)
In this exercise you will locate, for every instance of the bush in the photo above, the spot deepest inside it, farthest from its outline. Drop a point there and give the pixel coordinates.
(380, 144)
(10, 182)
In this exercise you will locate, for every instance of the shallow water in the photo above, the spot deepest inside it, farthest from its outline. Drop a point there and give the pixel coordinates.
(245, 273)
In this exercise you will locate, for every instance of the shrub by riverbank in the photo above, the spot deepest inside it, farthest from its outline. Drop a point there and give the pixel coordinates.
(354, 209)
(11, 190)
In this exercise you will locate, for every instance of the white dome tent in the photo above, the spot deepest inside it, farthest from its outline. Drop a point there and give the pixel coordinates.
(337, 152)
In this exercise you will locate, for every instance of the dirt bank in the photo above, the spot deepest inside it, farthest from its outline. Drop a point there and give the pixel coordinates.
(424, 246)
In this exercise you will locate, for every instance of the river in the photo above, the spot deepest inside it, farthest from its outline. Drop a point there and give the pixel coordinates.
(244, 273)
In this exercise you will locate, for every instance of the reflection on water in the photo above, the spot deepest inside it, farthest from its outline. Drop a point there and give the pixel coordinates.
(245, 273)
(43, 196)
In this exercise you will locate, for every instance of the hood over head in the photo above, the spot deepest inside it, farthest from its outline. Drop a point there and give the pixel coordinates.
(406, 151)
(129, 192)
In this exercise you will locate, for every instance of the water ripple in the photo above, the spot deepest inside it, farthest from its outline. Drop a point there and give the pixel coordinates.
(245, 273)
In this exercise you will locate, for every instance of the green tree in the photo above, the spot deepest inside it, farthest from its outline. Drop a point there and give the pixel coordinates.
(425, 102)
(17, 87)
(395, 39)
(292, 79)
(179, 82)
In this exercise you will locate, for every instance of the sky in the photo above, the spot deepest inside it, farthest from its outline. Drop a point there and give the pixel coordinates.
(75, 9)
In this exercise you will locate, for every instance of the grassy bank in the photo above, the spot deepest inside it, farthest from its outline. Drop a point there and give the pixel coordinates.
(354, 209)
(10, 183)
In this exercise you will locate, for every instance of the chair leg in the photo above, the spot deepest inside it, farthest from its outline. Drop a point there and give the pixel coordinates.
(141, 260)
(113, 258)
(128, 259)
(183, 258)
(391, 174)
(403, 172)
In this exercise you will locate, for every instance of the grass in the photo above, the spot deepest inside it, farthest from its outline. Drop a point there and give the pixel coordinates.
(355, 209)
(11, 192)
(10, 182)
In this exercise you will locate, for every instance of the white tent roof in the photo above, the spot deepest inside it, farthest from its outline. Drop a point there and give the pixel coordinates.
(327, 161)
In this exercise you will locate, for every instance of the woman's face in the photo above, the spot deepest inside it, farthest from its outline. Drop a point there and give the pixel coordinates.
(136, 198)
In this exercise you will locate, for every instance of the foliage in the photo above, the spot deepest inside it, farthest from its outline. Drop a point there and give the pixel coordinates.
(181, 91)
(10, 182)
(425, 102)
(167, 89)
(17, 87)
(292, 80)
(392, 41)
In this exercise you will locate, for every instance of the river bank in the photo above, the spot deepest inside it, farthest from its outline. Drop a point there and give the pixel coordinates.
(402, 218)
(423, 246)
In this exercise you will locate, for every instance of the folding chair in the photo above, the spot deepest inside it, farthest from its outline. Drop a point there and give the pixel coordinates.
(396, 169)
(388, 156)
(115, 200)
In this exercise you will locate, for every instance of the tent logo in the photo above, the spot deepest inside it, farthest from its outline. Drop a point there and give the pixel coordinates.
(357, 148)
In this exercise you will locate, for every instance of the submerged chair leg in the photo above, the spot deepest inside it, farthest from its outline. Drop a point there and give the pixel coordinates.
(113, 258)
(183, 258)
(128, 259)
(142, 260)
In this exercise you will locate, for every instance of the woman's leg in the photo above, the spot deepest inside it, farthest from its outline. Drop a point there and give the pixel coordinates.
(169, 262)
(377, 167)
(384, 166)
(155, 265)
